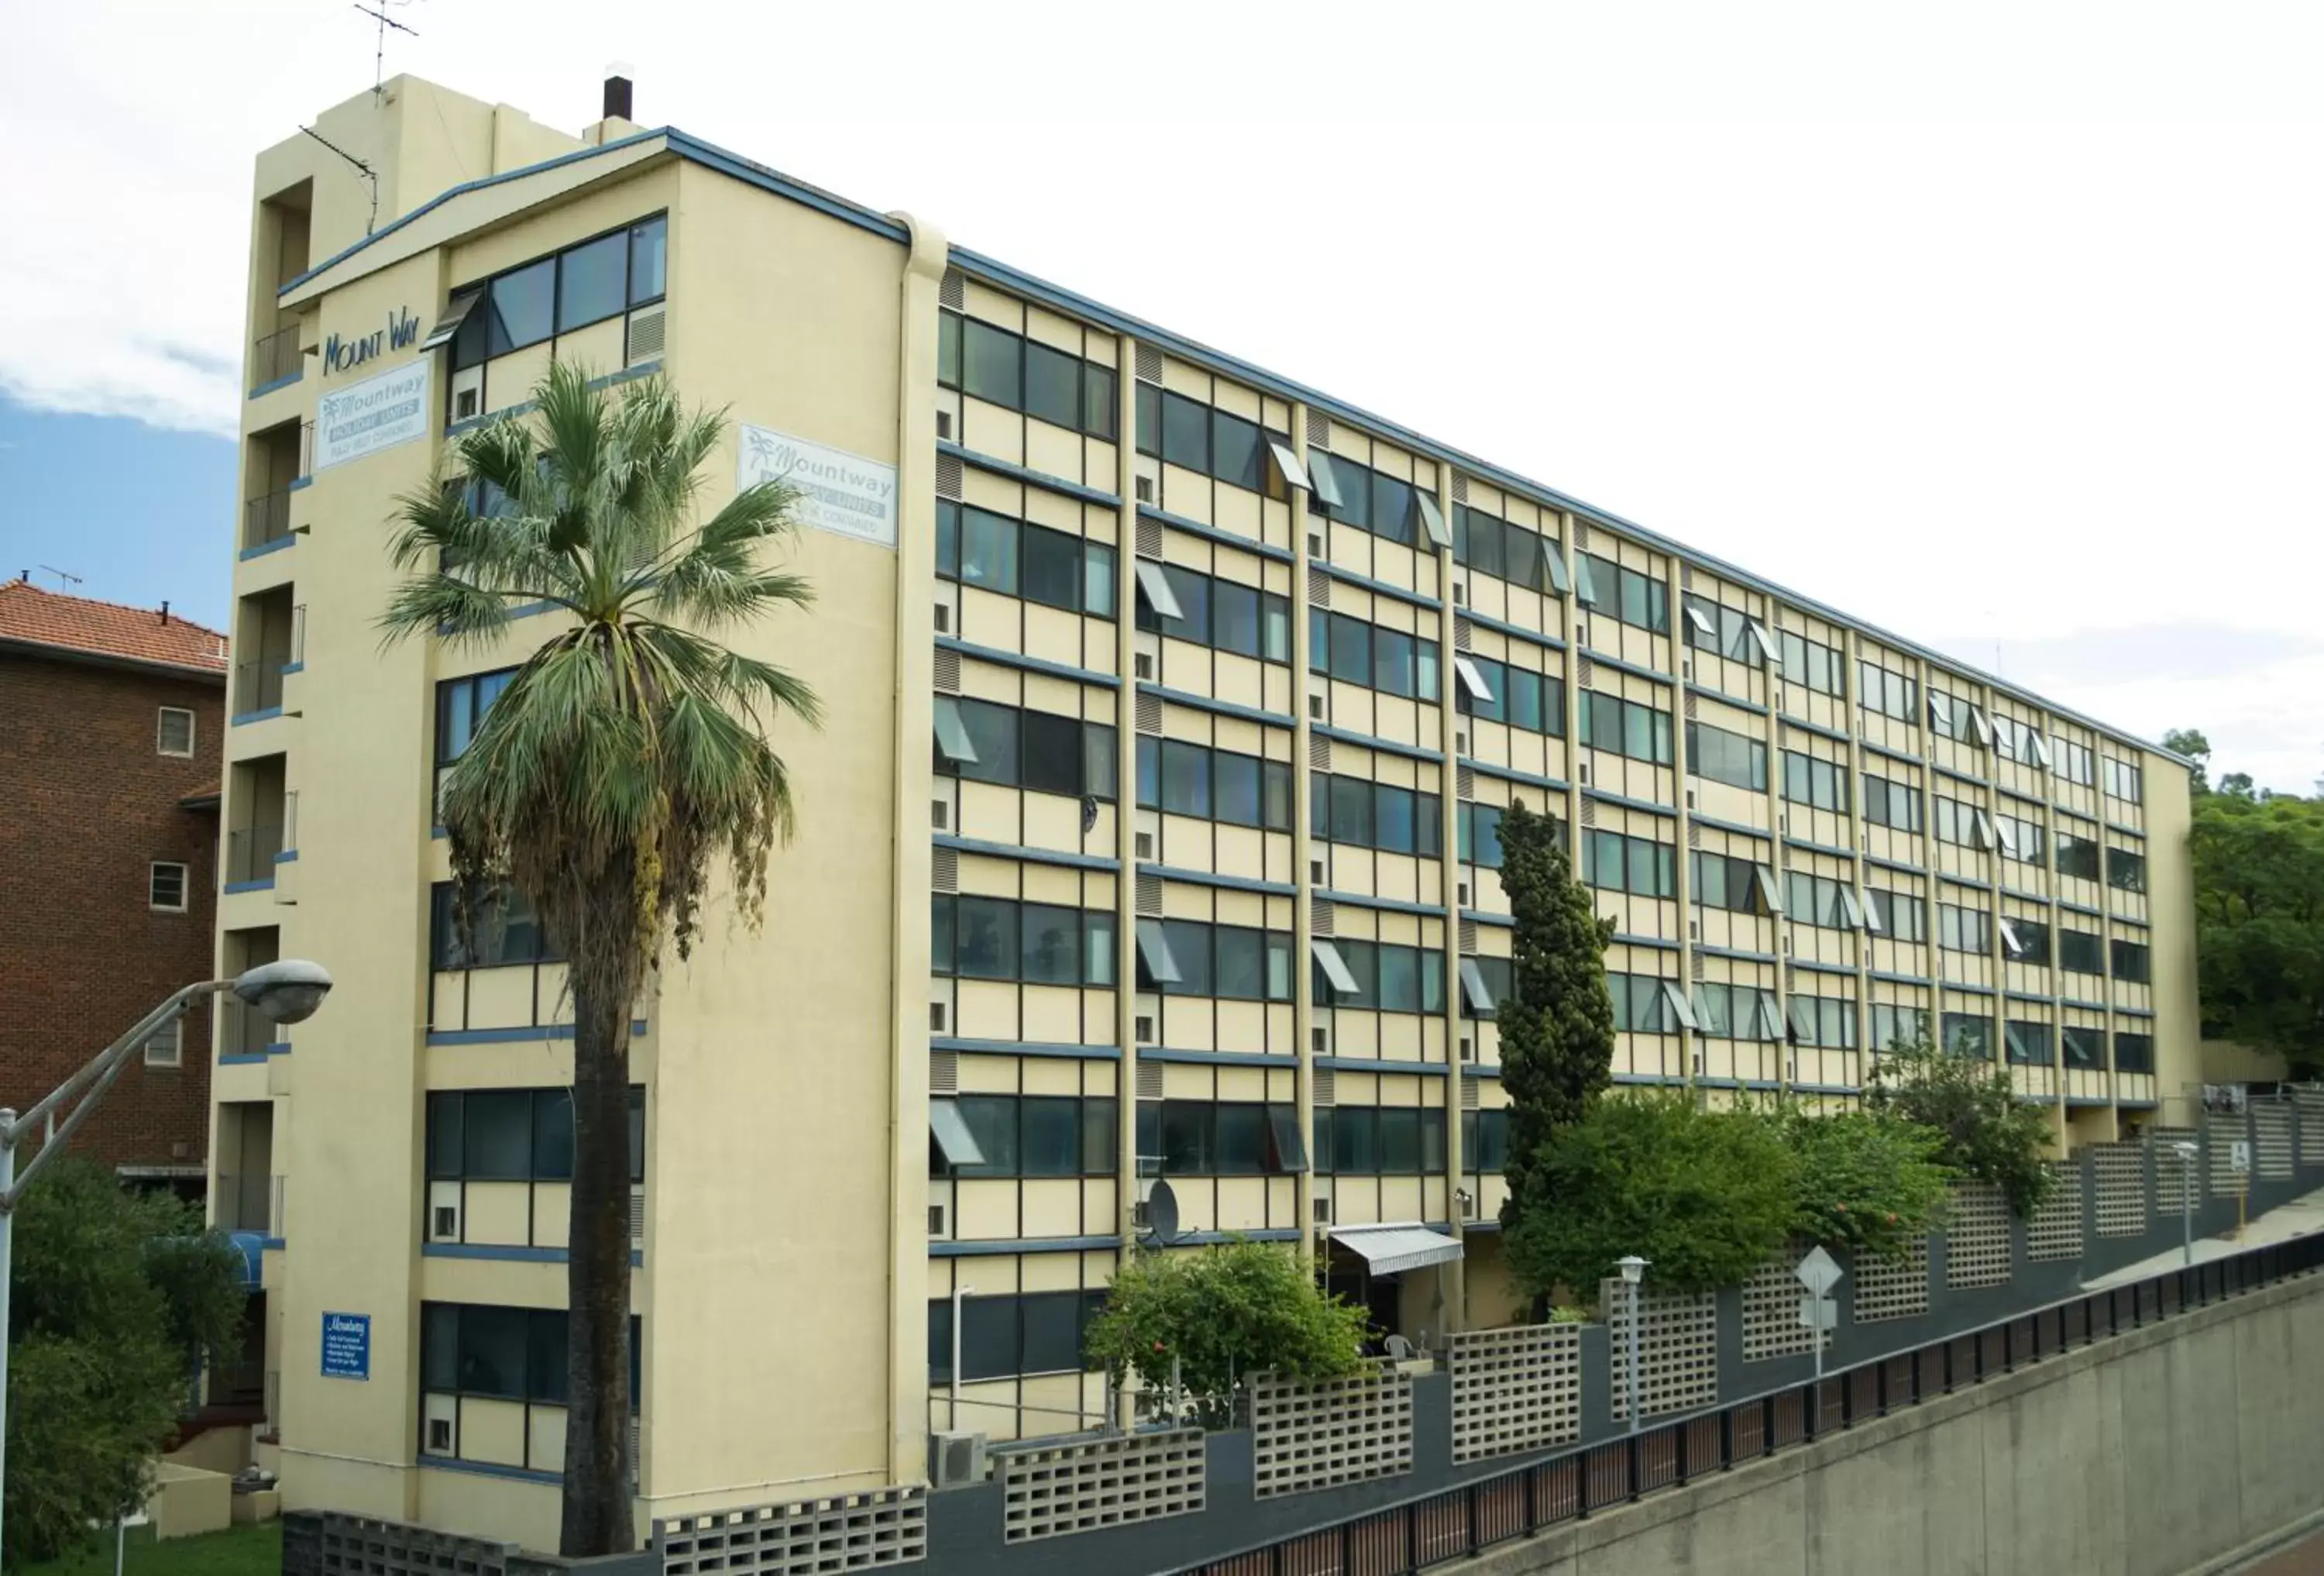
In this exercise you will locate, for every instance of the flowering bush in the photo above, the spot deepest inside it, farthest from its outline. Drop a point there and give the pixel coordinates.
(1866, 1180)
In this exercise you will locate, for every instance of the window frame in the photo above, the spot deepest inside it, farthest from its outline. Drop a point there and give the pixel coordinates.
(481, 321)
(153, 878)
(162, 731)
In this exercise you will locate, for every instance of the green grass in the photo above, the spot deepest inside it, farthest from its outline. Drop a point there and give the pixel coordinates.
(239, 1551)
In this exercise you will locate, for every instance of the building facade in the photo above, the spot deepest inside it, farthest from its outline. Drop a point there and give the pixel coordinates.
(110, 738)
(1172, 709)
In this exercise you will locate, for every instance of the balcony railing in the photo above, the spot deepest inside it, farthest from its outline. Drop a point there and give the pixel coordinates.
(258, 686)
(276, 358)
(266, 519)
(244, 1031)
(250, 853)
(246, 1203)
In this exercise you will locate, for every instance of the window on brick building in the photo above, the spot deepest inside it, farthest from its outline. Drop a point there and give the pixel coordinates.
(166, 1045)
(173, 732)
(166, 887)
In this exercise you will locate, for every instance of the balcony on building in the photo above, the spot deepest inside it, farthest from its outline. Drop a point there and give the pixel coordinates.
(242, 1032)
(282, 245)
(258, 837)
(267, 641)
(275, 465)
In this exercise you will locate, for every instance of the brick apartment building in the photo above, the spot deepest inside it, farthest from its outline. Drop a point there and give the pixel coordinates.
(111, 720)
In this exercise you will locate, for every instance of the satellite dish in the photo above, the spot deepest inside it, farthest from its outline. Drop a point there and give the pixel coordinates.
(1162, 1214)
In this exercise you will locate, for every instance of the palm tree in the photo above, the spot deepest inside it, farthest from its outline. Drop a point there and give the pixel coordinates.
(625, 753)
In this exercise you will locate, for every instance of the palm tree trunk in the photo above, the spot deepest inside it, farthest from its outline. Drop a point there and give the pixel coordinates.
(597, 1516)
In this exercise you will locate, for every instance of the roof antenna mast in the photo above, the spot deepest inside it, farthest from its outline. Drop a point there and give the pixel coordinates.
(377, 11)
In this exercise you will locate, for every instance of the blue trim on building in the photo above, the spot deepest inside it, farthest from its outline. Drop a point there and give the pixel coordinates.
(1812, 966)
(1028, 476)
(263, 884)
(1948, 771)
(1898, 865)
(2027, 996)
(1514, 631)
(997, 1247)
(1601, 660)
(489, 1469)
(1969, 989)
(1223, 708)
(1211, 533)
(2078, 908)
(288, 539)
(1028, 855)
(241, 1059)
(1655, 942)
(1970, 882)
(1497, 921)
(507, 1253)
(1723, 699)
(1216, 1059)
(2009, 891)
(1737, 827)
(289, 668)
(299, 482)
(267, 716)
(1898, 755)
(1740, 955)
(1377, 587)
(2125, 831)
(1382, 905)
(287, 856)
(282, 382)
(1202, 878)
(1888, 979)
(1511, 774)
(1834, 734)
(1371, 1064)
(1018, 660)
(1385, 746)
(1810, 846)
(1024, 1048)
(1628, 802)
(2136, 1012)
(2084, 1006)
(526, 1034)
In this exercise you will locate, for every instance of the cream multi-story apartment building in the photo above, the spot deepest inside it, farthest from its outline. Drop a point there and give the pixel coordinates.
(1173, 709)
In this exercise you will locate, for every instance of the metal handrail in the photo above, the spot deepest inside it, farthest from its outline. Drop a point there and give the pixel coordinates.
(275, 358)
(250, 852)
(266, 518)
(1463, 1520)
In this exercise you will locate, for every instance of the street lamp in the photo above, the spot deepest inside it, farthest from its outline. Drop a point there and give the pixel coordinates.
(2187, 1153)
(286, 991)
(1634, 1270)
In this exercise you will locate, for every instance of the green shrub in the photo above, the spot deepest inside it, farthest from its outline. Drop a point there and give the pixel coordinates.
(1868, 1179)
(1985, 1133)
(1222, 1313)
(1705, 1196)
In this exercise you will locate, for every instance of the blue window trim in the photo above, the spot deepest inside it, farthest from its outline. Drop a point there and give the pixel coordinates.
(1376, 1065)
(1947, 771)
(1741, 954)
(1817, 729)
(1811, 966)
(1202, 878)
(281, 383)
(489, 1469)
(1601, 660)
(2027, 996)
(299, 482)
(286, 540)
(287, 856)
(241, 1059)
(1030, 477)
(1887, 755)
(2125, 831)
(1217, 1058)
(1026, 1048)
(1737, 827)
(507, 1253)
(1889, 979)
(1514, 631)
(290, 667)
(526, 1034)
(269, 714)
(1211, 533)
(1377, 587)
(1969, 989)
(1385, 746)
(1809, 845)
(1223, 708)
(1970, 882)
(1028, 855)
(263, 884)
(1510, 774)
(1018, 660)
(1497, 921)
(1901, 866)
(1655, 942)
(1648, 806)
(1381, 905)
(1720, 696)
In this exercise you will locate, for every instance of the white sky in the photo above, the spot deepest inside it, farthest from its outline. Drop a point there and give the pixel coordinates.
(1998, 325)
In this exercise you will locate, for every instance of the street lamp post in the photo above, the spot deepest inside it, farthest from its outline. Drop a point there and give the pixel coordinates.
(1634, 1270)
(286, 991)
(2187, 1153)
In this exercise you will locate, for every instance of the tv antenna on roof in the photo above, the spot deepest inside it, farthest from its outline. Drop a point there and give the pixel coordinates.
(64, 576)
(377, 11)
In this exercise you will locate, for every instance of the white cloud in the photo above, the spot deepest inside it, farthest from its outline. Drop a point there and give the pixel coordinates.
(1998, 320)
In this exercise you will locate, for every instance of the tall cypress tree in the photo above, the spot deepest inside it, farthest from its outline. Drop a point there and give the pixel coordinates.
(1557, 1022)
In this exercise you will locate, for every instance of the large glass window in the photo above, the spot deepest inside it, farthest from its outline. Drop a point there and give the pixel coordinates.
(1968, 1034)
(593, 282)
(1485, 1140)
(2123, 782)
(1891, 803)
(1000, 938)
(1813, 664)
(1387, 978)
(2134, 1052)
(1625, 727)
(2125, 870)
(501, 930)
(2132, 961)
(1899, 915)
(1004, 368)
(1894, 1027)
(1216, 960)
(1888, 692)
(1605, 586)
(1727, 631)
(1491, 546)
(1191, 780)
(1639, 866)
(1641, 1004)
(522, 308)
(1223, 614)
(1959, 929)
(1038, 750)
(1005, 1335)
(512, 1135)
(2080, 952)
(1356, 810)
(649, 261)
(2077, 856)
(1721, 756)
(1808, 781)
(2085, 1047)
(1364, 1140)
(1034, 1136)
(460, 707)
(2030, 1042)
(1519, 696)
(1818, 900)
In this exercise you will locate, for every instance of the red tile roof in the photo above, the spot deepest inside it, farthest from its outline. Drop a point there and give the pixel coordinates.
(34, 616)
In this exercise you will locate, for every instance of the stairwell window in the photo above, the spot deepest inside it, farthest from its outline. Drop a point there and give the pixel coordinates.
(173, 732)
(166, 887)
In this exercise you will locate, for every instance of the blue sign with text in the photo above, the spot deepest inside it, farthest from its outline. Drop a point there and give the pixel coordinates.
(346, 1345)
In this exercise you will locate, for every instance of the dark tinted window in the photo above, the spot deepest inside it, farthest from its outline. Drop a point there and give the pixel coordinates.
(522, 305)
(592, 282)
(1052, 385)
(649, 261)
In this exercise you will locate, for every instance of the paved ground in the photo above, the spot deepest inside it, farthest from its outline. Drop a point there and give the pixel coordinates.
(2305, 1559)
(2297, 1219)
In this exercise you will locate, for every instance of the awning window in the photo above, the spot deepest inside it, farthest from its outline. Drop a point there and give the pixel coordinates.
(1432, 519)
(2006, 833)
(1771, 897)
(1759, 637)
(949, 1130)
(1154, 952)
(1851, 909)
(1335, 967)
(1585, 583)
(1872, 918)
(1986, 835)
(1804, 1019)
(1473, 989)
(1156, 585)
(1472, 679)
(952, 733)
(1294, 474)
(1702, 622)
(1681, 1008)
(2011, 939)
(1289, 1148)
(1393, 1250)
(1554, 562)
(1770, 1021)
(454, 316)
(1327, 486)
(2039, 747)
(1982, 726)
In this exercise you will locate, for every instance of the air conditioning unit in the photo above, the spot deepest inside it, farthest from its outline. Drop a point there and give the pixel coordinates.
(944, 619)
(939, 815)
(646, 333)
(939, 1017)
(944, 424)
(937, 1221)
(1142, 665)
(955, 1461)
(1146, 489)
(469, 393)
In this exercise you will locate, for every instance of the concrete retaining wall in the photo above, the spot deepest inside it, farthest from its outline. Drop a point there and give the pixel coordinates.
(2149, 1455)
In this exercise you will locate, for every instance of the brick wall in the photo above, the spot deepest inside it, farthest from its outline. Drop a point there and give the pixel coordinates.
(90, 803)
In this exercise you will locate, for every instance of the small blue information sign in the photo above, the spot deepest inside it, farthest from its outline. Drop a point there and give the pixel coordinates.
(346, 1345)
